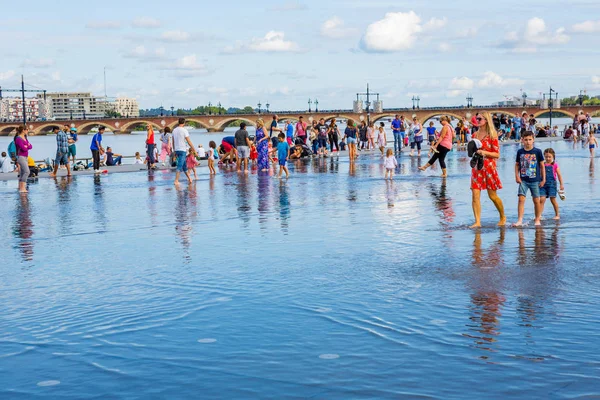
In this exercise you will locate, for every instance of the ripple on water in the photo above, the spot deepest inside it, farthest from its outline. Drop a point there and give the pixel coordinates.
(329, 356)
(207, 340)
(48, 383)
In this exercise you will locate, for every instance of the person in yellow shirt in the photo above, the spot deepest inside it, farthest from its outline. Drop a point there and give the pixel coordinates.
(33, 169)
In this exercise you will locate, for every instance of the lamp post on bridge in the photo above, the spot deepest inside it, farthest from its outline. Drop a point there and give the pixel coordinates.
(259, 105)
(524, 95)
(267, 105)
(368, 102)
(550, 103)
(162, 109)
(219, 105)
(316, 105)
(418, 100)
(209, 106)
(172, 109)
(580, 98)
(309, 104)
(469, 101)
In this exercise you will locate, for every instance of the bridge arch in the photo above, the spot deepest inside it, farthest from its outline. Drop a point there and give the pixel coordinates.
(203, 124)
(337, 117)
(84, 129)
(7, 130)
(427, 117)
(499, 112)
(595, 114)
(554, 112)
(130, 125)
(223, 124)
(47, 128)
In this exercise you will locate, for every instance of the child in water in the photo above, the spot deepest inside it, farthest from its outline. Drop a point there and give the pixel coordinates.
(138, 159)
(253, 154)
(191, 162)
(390, 163)
(593, 143)
(212, 154)
(552, 176)
(381, 138)
(283, 153)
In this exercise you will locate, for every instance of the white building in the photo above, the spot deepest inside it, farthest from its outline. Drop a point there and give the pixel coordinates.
(126, 107)
(515, 101)
(11, 109)
(67, 105)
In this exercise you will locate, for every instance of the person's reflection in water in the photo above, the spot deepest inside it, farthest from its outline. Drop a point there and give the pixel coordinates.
(390, 193)
(537, 281)
(185, 214)
(264, 200)
(64, 187)
(442, 203)
(23, 228)
(98, 203)
(243, 201)
(592, 166)
(487, 298)
(334, 164)
(151, 197)
(284, 207)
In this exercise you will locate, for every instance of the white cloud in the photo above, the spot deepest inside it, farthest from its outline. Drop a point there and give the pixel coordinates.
(146, 22)
(38, 63)
(175, 36)
(587, 27)
(6, 75)
(334, 28)
(535, 34)
(141, 53)
(396, 31)
(444, 47)
(595, 82)
(272, 42)
(435, 24)
(454, 93)
(187, 67)
(468, 32)
(462, 83)
(493, 80)
(103, 25)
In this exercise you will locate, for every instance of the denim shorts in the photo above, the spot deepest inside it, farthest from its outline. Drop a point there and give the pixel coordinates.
(61, 158)
(351, 140)
(533, 187)
(181, 164)
(548, 191)
(322, 143)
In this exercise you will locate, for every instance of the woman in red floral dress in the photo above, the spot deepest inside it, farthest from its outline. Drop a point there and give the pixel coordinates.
(487, 178)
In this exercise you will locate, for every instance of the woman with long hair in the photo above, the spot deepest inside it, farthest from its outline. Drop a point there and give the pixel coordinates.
(166, 139)
(262, 145)
(351, 134)
(150, 145)
(487, 178)
(23, 147)
(442, 146)
(333, 134)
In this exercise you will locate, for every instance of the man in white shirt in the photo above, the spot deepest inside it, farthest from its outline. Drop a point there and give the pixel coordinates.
(181, 141)
(5, 163)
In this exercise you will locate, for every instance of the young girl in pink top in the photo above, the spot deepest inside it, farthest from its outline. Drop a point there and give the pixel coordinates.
(191, 163)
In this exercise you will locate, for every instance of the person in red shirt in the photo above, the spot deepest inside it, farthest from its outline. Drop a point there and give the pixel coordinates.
(474, 123)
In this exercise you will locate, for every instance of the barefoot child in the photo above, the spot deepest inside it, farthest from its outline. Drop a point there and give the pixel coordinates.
(212, 154)
(390, 163)
(593, 144)
(283, 153)
(530, 174)
(552, 176)
(192, 162)
(381, 138)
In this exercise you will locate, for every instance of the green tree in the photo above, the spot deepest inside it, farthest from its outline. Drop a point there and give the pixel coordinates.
(112, 114)
(247, 110)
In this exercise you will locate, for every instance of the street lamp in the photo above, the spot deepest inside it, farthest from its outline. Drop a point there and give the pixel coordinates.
(524, 99)
(469, 101)
(161, 110)
(316, 105)
(259, 105)
(309, 104)
(418, 99)
(209, 106)
(172, 109)
(219, 105)
(581, 98)
(550, 103)
(267, 105)
(414, 99)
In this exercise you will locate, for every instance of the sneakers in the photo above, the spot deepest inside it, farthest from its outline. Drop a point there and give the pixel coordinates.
(96, 171)
(477, 162)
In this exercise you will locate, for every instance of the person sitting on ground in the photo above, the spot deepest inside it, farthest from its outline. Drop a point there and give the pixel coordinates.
(201, 152)
(5, 163)
(296, 152)
(33, 168)
(138, 159)
(112, 159)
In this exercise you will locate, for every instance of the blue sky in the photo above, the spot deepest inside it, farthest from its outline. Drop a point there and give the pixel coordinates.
(285, 52)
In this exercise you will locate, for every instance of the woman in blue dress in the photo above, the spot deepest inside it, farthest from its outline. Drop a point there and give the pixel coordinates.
(262, 145)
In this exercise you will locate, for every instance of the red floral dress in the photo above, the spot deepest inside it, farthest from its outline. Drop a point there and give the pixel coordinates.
(487, 178)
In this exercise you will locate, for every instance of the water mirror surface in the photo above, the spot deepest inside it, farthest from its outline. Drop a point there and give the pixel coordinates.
(334, 284)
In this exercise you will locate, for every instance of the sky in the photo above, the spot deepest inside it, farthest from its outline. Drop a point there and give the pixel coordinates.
(188, 53)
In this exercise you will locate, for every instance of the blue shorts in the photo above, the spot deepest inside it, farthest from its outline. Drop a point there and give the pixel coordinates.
(351, 140)
(282, 161)
(548, 191)
(533, 187)
(322, 143)
(61, 158)
(181, 164)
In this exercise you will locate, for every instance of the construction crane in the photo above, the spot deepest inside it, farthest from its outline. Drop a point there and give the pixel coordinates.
(22, 90)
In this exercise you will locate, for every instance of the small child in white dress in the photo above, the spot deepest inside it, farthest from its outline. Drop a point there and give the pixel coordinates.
(390, 163)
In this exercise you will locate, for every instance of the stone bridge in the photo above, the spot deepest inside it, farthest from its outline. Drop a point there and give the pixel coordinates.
(217, 123)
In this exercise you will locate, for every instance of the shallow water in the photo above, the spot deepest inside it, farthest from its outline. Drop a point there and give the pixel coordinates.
(334, 284)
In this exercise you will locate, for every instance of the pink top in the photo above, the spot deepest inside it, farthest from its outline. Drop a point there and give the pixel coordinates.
(23, 146)
(447, 140)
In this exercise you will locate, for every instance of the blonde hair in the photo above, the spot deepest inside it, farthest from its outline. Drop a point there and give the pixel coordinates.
(260, 123)
(491, 129)
(389, 152)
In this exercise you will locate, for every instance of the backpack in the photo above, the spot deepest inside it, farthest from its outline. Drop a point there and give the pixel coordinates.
(12, 150)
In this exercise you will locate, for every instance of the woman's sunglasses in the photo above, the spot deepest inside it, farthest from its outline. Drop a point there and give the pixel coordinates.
(479, 119)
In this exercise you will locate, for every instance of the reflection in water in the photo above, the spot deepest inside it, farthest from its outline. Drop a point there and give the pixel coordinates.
(64, 187)
(243, 200)
(98, 203)
(152, 198)
(185, 215)
(284, 206)
(390, 193)
(442, 203)
(487, 298)
(264, 200)
(23, 228)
